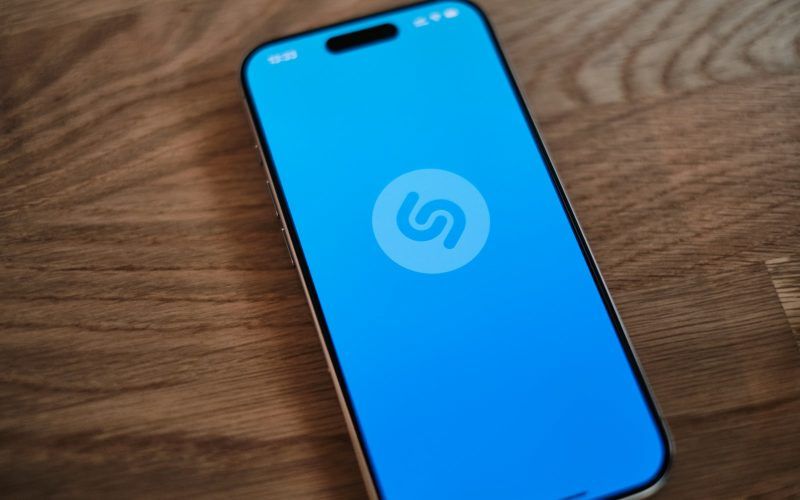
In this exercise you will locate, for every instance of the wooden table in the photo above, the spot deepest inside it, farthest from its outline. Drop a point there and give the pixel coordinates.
(155, 341)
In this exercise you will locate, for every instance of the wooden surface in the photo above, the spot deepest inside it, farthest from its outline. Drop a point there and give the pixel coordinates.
(155, 341)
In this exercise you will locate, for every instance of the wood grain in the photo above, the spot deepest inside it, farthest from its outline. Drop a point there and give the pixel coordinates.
(155, 341)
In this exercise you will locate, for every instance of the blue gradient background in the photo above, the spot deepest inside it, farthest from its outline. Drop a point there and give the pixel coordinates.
(503, 378)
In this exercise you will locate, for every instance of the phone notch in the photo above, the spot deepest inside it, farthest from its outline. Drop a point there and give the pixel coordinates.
(360, 38)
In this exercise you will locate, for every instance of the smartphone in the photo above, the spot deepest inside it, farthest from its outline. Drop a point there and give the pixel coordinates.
(471, 339)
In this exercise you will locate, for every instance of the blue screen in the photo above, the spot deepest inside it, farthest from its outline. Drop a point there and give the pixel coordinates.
(472, 340)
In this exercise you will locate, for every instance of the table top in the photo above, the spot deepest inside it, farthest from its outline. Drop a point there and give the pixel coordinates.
(155, 338)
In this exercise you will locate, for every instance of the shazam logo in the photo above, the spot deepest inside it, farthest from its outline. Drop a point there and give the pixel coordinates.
(430, 221)
(435, 211)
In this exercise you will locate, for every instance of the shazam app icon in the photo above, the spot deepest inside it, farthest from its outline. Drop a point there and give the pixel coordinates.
(431, 221)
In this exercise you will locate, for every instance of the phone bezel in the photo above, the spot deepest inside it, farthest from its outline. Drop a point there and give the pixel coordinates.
(295, 249)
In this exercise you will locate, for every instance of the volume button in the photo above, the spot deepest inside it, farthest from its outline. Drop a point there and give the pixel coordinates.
(272, 197)
(269, 188)
(288, 248)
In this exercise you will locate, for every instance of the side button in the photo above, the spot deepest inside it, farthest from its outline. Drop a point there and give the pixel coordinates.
(258, 154)
(269, 188)
(286, 241)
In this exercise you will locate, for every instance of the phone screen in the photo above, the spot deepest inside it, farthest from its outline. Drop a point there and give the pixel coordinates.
(468, 331)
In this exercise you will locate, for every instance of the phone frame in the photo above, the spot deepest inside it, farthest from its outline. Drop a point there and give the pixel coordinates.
(298, 260)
